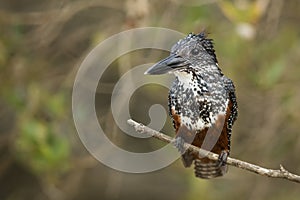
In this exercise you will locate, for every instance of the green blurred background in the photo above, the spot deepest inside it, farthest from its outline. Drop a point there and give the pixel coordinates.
(42, 44)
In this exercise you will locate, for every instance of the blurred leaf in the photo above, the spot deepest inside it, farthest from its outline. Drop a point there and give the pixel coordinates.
(243, 11)
(196, 13)
(272, 74)
(14, 97)
(40, 149)
(56, 104)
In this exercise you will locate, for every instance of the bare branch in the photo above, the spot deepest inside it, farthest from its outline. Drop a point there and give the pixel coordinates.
(273, 173)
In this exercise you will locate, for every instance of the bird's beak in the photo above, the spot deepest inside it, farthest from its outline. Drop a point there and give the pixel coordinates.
(166, 65)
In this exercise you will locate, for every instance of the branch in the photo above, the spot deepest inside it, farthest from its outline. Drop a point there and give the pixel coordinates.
(273, 173)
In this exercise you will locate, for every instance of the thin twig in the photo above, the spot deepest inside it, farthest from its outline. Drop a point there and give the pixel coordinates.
(273, 173)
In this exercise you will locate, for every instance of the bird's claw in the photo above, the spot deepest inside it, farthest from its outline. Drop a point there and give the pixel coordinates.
(178, 142)
(222, 158)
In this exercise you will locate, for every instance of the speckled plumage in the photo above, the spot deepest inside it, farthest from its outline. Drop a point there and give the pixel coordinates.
(202, 101)
(198, 96)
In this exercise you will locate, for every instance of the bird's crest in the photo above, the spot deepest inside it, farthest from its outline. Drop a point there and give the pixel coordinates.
(207, 43)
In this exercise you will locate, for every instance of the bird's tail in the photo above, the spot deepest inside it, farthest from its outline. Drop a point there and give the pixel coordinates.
(209, 169)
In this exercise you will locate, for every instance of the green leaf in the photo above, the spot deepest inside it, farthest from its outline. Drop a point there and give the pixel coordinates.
(42, 150)
(274, 73)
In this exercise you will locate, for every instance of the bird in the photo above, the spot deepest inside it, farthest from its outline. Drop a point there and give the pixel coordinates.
(202, 103)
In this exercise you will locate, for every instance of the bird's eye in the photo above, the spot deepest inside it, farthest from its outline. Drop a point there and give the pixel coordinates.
(195, 51)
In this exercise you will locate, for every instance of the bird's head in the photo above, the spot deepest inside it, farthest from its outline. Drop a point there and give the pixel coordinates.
(193, 51)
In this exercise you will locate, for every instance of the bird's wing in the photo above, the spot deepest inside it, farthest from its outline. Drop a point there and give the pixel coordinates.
(232, 106)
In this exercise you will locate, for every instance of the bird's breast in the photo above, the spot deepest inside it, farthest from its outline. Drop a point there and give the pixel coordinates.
(197, 102)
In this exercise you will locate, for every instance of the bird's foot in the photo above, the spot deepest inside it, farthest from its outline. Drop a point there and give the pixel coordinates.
(178, 142)
(223, 158)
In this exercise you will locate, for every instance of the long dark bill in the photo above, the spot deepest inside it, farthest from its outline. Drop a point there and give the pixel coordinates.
(166, 65)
